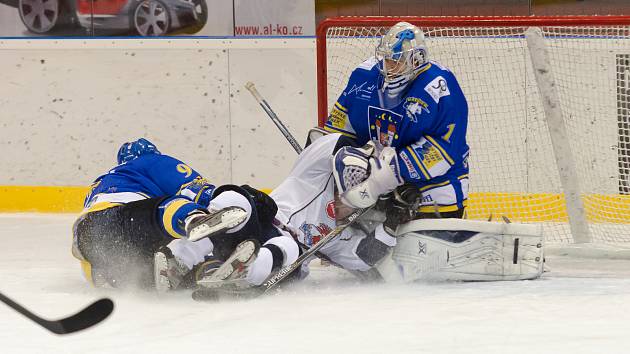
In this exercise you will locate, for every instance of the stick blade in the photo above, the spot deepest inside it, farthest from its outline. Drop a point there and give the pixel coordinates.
(88, 317)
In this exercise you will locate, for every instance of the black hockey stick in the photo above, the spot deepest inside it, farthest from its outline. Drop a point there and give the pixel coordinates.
(85, 318)
(265, 106)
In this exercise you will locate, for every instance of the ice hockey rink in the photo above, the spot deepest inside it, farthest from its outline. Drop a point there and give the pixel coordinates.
(577, 307)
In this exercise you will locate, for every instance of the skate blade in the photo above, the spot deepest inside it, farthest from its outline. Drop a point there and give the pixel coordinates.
(220, 294)
(244, 255)
(229, 219)
(160, 266)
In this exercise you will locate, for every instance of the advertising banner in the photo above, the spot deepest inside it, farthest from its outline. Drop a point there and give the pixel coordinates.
(274, 18)
(38, 18)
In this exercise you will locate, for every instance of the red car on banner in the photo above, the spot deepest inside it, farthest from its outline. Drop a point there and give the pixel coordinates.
(103, 17)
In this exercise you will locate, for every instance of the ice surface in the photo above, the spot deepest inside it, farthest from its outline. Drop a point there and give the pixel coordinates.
(581, 306)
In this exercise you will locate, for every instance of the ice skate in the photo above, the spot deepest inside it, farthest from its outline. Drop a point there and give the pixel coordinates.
(168, 272)
(233, 272)
(205, 225)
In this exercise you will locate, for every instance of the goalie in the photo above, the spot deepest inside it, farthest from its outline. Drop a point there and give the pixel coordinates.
(399, 98)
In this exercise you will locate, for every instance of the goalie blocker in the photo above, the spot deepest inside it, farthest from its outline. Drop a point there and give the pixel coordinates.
(454, 249)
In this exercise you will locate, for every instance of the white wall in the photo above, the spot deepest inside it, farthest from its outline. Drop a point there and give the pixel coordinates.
(67, 105)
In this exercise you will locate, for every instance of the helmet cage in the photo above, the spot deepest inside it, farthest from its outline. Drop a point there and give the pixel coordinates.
(401, 58)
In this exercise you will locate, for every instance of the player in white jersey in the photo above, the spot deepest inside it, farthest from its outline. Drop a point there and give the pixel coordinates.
(307, 204)
(308, 210)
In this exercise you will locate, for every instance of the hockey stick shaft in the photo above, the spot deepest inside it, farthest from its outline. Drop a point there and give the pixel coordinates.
(286, 271)
(265, 106)
(314, 250)
(89, 316)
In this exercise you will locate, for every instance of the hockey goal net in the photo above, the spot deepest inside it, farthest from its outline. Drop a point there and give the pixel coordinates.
(572, 174)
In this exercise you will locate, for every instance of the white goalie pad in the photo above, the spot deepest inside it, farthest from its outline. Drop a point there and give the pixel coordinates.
(314, 134)
(455, 249)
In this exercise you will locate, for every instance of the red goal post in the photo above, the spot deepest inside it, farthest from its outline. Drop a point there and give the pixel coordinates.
(517, 165)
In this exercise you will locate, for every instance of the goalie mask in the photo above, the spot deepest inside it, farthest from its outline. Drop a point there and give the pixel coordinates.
(400, 53)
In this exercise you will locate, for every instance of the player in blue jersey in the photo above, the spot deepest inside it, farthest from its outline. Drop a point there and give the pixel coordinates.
(399, 98)
(151, 219)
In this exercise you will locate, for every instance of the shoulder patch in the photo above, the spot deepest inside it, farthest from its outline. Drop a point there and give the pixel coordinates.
(437, 88)
(368, 64)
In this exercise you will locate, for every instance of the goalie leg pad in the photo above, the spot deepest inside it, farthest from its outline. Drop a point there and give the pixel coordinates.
(478, 251)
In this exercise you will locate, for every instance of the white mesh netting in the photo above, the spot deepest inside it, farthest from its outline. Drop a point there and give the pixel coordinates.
(513, 169)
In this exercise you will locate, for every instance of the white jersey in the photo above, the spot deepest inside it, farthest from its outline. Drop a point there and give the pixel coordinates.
(306, 203)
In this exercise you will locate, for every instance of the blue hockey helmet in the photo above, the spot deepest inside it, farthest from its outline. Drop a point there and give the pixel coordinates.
(133, 149)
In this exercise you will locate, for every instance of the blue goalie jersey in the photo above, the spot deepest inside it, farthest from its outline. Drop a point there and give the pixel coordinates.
(147, 176)
(426, 125)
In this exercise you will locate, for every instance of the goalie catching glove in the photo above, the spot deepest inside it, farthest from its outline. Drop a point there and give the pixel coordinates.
(361, 178)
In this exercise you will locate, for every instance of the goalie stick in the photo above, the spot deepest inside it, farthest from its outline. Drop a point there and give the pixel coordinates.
(88, 317)
(265, 106)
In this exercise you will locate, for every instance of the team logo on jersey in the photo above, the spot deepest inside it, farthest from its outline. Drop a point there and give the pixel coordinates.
(414, 108)
(363, 91)
(313, 233)
(384, 125)
(437, 88)
(330, 209)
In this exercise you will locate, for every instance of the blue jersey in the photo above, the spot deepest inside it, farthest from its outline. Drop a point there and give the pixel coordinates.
(426, 125)
(147, 176)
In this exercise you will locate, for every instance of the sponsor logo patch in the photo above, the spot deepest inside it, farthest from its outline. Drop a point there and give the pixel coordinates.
(413, 173)
(437, 89)
(330, 209)
(363, 91)
(338, 118)
(431, 157)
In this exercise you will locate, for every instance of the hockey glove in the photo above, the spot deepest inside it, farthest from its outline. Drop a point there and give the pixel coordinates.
(351, 166)
(198, 190)
(402, 207)
(384, 177)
